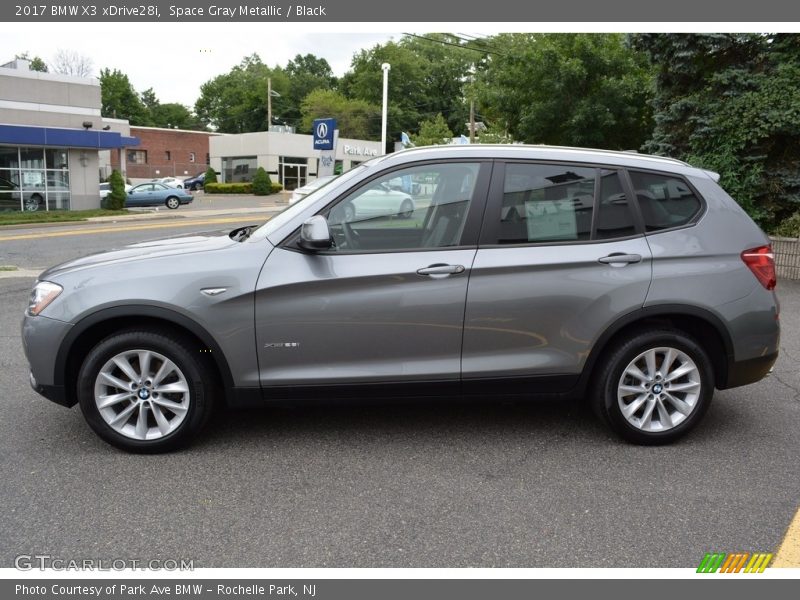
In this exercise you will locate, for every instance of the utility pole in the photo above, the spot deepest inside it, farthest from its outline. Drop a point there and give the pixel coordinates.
(269, 103)
(384, 114)
(472, 121)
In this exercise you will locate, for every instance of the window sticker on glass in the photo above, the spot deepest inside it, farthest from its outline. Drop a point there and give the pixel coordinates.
(551, 220)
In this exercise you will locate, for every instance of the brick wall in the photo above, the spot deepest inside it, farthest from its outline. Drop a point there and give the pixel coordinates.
(157, 142)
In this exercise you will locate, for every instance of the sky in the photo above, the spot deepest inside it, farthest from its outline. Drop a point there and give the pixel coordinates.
(176, 59)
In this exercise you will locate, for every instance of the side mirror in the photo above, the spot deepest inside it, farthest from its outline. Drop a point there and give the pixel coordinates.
(315, 234)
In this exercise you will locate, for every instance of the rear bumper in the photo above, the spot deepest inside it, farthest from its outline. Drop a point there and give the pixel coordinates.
(745, 372)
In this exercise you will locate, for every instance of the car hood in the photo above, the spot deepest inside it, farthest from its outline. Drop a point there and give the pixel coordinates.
(187, 244)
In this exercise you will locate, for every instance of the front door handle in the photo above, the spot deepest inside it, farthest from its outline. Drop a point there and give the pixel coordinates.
(441, 270)
(619, 259)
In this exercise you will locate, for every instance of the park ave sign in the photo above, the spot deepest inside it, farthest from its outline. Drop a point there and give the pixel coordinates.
(359, 150)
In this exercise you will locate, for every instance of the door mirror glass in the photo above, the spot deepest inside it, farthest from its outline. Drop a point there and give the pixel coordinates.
(315, 234)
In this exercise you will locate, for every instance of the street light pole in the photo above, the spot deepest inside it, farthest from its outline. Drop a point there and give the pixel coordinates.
(269, 103)
(384, 115)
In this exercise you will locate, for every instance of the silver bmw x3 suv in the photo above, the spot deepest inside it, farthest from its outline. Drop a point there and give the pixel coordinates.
(631, 280)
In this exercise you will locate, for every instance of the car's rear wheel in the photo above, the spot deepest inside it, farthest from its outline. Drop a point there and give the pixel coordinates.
(407, 209)
(33, 203)
(654, 387)
(172, 202)
(144, 391)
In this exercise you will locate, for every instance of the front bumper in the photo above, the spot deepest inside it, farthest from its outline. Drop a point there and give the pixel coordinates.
(41, 340)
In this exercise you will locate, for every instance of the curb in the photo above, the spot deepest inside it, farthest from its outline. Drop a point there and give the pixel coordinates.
(116, 219)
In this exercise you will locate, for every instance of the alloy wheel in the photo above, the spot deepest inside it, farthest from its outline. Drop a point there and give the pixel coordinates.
(659, 389)
(142, 394)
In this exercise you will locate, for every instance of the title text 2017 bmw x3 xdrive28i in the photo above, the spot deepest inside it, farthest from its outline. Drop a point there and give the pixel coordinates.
(631, 279)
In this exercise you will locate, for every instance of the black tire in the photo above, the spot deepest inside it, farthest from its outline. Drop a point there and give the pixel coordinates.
(605, 400)
(188, 359)
(172, 202)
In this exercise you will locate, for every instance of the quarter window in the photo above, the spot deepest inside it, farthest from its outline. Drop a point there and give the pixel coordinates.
(664, 201)
(415, 208)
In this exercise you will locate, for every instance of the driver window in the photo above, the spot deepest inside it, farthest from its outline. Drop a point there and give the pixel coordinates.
(420, 207)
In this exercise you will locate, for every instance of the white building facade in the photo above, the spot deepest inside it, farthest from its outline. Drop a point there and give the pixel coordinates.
(289, 158)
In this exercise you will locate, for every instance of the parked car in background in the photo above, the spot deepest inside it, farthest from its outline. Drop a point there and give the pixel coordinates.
(105, 189)
(634, 282)
(195, 183)
(378, 200)
(311, 186)
(172, 182)
(156, 194)
(33, 196)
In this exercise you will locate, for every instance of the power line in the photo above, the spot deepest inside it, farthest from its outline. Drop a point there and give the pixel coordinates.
(462, 46)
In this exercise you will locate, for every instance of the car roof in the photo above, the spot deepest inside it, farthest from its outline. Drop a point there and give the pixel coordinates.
(539, 152)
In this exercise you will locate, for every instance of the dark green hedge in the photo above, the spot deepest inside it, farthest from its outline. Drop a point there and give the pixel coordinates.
(237, 188)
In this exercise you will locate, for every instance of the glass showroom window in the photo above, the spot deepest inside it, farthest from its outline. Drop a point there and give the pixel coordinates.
(34, 178)
(236, 169)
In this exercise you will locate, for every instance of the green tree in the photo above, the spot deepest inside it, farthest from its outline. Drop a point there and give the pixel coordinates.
(262, 184)
(116, 198)
(433, 132)
(37, 64)
(211, 176)
(730, 103)
(568, 89)
(354, 118)
(236, 102)
(427, 78)
(305, 73)
(118, 98)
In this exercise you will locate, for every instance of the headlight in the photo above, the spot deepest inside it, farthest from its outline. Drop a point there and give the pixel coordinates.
(44, 292)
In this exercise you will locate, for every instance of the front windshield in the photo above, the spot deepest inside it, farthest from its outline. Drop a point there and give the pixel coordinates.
(288, 213)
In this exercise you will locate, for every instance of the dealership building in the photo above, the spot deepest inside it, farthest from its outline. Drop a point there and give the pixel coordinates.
(289, 158)
(52, 140)
(165, 152)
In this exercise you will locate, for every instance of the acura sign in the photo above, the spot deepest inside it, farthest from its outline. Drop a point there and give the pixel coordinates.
(323, 133)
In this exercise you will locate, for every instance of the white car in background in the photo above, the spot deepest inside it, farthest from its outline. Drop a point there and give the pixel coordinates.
(311, 186)
(105, 189)
(172, 182)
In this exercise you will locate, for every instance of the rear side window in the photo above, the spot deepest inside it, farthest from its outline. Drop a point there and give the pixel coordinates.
(546, 203)
(664, 201)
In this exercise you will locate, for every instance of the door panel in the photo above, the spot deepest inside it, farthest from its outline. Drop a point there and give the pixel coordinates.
(360, 318)
(537, 310)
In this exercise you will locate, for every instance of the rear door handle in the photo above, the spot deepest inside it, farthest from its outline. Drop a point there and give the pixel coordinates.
(441, 270)
(620, 259)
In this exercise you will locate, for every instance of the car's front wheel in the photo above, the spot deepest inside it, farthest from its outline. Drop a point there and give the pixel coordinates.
(172, 202)
(144, 391)
(654, 387)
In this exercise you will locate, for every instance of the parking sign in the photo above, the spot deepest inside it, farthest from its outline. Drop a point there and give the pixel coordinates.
(323, 133)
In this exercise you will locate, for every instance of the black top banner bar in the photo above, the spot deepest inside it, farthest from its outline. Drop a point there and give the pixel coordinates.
(339, 11)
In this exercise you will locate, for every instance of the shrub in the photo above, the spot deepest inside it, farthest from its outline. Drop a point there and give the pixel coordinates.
(116, 198)
(211, 176)
(262, 184)
(244, 187)
(789, 228)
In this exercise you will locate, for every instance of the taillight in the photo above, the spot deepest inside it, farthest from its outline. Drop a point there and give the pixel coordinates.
(761, 261)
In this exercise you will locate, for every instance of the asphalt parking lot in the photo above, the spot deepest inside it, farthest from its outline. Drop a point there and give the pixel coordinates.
(484, 484)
